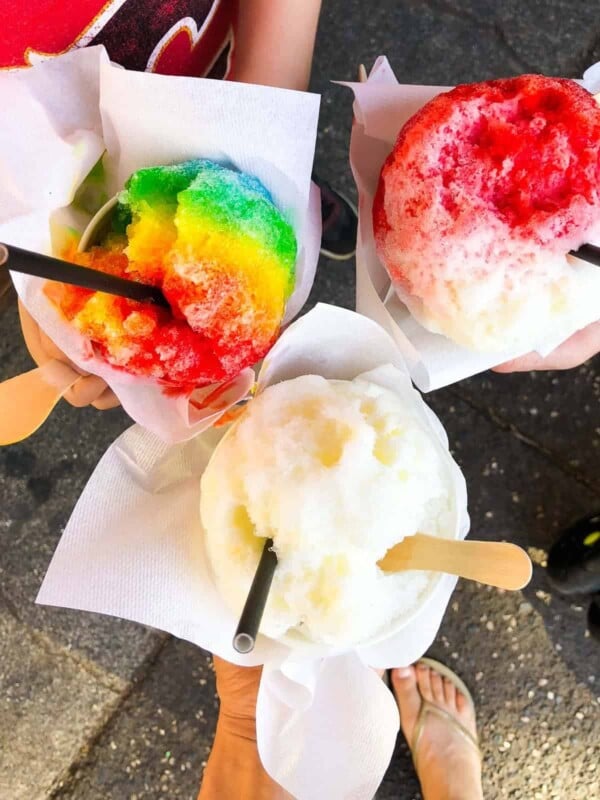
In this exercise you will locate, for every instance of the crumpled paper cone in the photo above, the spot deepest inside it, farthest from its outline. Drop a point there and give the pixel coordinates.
(64, 113)
(134, 548)
(381, 107)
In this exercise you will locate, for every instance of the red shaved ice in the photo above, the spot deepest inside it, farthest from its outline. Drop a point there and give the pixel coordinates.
(223, 254)
(486, 190)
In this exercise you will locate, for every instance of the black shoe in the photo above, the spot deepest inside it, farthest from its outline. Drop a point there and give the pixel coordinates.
(594, 617)
(574, 560)
(340, 222)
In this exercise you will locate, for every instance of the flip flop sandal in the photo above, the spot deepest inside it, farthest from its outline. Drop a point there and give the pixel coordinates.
(430, 708)
(593, 619)
(574, 559)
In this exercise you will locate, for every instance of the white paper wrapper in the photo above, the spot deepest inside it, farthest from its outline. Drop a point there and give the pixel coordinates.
(381, 107)
(134, 548)
(65, 112)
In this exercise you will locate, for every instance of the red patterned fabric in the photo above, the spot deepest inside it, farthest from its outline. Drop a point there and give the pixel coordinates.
(173, 37)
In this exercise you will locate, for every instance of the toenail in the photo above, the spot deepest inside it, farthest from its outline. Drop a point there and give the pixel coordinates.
(402, 672)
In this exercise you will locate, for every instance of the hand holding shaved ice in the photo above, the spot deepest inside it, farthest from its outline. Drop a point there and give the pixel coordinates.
(487, 189)
(222, 253)
(577, 349)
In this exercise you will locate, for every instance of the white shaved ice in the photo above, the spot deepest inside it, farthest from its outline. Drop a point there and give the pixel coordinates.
(336, 473)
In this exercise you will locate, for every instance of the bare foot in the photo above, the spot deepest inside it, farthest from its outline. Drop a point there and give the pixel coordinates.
(447, 763)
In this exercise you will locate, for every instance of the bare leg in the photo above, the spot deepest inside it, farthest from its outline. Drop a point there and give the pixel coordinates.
(234, 769)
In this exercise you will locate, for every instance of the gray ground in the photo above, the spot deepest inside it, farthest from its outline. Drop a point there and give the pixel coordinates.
(94, 708)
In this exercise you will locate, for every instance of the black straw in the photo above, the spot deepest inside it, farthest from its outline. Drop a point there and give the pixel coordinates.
(55, 269)
(589, 253)
(247, 630)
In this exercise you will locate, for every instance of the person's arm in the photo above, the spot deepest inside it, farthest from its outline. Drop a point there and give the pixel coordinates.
(572, 353)
(274, 42)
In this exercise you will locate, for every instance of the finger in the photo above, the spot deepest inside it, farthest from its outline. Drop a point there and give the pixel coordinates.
(572, 353)
(41, 347)
(108, 399)
(527, 363)
(31, 334)
(87, 390)
(53, 351)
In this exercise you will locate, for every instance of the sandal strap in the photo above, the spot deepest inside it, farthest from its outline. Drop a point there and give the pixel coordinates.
(430, 708)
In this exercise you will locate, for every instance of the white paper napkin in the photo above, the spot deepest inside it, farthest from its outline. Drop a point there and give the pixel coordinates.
(65, 112)
(381, 107)
(134, 548)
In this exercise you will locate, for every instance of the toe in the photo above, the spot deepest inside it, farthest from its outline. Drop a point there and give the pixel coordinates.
(437, 687)
(465, 713)
(461, 702)
(424, 681)
(404, 684)
(450, 694)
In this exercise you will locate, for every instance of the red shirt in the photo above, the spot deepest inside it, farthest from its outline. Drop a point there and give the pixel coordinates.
(173, 37)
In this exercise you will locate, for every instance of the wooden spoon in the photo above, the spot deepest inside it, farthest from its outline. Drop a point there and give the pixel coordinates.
(494, 563)
(27, 400)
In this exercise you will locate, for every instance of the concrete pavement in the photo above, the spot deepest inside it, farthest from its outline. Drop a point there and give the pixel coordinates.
(99, 709)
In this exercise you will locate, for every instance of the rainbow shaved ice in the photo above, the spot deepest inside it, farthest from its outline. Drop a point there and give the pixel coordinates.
(336, 473)
(487, 189)
(224, 256)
